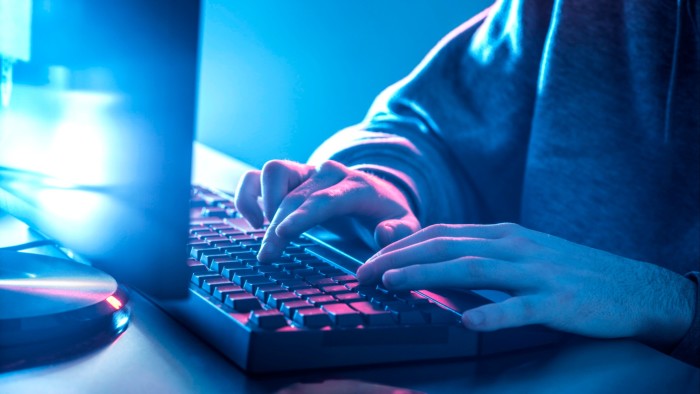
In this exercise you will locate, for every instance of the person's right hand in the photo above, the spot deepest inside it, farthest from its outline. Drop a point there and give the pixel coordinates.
(296, 197)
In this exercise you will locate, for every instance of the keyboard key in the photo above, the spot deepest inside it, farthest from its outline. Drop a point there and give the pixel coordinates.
(196, 266)
(196, 251)
(240, 278)
(289, 307)
(268, 319)
(303, 272)
(343, 315)
(437, 315)
(250, 262)
(373, 315)
(204, 221)
(219, 265)
(320, 281)
(365, 290)
(319, 300)
(230, 272)
(349, 297)
(209, 258)
(335, 289)
(220, 226)
(211, 283)
(312, 317)
(301, 243)
(198, 243)
(412, 317)
(308, 292)
(252, 284)
(286, 265)
(316, 264)
(218, 241)
(205, 234)
(296, 267)
(245, 255)
(295, 284)
(221, 291)
(198, 229)
(266, 269)
(302, 257)
(242, 302)
(264, 291)
(228, 231)
(381, 299)
(412, 298)
(342, 279)
(198, 277)
(275, 300)
(214, 212)
(330, 271)
(213, 199)
(230, 250)
(294, 250)
(280, 277)
(240, 237)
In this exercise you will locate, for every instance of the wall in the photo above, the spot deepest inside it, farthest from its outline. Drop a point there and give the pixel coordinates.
(278, 77)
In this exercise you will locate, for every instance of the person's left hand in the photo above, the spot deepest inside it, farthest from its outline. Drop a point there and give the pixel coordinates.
(556, 283)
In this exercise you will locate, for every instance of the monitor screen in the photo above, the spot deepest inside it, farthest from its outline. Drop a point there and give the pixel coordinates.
(96, 135)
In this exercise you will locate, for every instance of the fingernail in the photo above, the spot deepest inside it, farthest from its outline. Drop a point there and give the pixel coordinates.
(263, 252)
(374, 257)
(388, 234)
(474, 318)
(394, 278)
(280, 229)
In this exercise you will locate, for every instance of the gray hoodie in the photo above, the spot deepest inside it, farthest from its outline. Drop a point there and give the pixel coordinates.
(579, 118)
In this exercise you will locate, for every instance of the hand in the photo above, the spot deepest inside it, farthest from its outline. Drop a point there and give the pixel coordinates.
(296, 197)
(554, 282)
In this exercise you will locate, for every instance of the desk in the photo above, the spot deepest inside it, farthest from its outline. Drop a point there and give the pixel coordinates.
(157, 355)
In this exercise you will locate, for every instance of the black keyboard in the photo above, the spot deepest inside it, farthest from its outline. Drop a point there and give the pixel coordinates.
(304, 310)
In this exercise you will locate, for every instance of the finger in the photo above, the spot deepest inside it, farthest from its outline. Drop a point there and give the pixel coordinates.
(278, 178)
(513, 312)
(433, 250)
(489, 231)
(322, 206)
(273, 243)
(393, 230)
(464, 272)
(246, 198)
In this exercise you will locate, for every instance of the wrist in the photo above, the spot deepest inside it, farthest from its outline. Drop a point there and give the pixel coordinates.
(672, 321)
(398, 180)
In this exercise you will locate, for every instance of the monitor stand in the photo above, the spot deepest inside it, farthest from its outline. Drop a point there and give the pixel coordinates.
(52, 308)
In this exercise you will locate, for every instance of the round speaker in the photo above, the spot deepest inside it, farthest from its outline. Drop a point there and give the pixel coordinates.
(52, 308)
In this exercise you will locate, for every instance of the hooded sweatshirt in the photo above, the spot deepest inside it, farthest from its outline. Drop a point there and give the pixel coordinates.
(578, 118)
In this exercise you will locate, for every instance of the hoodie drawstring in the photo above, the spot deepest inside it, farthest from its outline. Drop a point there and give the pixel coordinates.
(674, 70)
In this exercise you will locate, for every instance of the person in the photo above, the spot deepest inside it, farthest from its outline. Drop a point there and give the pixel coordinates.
(547, 149)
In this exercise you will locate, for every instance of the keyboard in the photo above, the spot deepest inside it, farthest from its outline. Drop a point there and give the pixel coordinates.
(306, 310)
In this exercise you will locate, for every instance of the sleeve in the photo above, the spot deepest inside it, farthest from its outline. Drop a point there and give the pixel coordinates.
(688, 349)
(453, 135)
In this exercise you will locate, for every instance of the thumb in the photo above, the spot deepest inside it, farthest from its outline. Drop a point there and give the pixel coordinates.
(392, 230)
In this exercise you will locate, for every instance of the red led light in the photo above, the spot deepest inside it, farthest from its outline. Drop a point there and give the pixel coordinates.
(114, 302)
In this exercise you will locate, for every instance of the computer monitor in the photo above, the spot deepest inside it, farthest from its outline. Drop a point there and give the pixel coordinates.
(96, 137)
